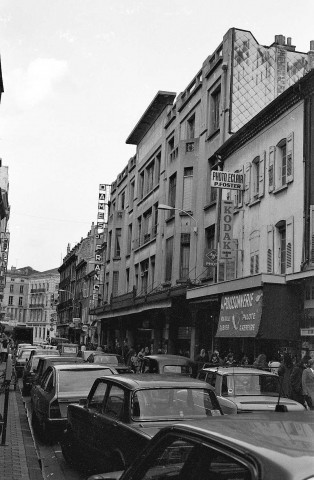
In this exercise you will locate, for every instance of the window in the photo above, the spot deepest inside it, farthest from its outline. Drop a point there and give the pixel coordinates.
(211, 191)
(122, 200)
(11, 288)
(152, 271)
(172, 191)
(115, 402)
(190, 133)
(98, 397)
(10, 300)
(187, 188)
(169, 255)
(254, 240)
(117, 250)
(214, 110)
(210, 245)
(109, 246)
(172, 150)
(115, 284)
(144, 276)
(131, 194)
(129, 244)
(149, 176)
(280, 167)
(147, 225)
(184, 255)
(194, 461)
(281, 228)
(255, 177)
(20, 301)
(282, 163)
(127, 279)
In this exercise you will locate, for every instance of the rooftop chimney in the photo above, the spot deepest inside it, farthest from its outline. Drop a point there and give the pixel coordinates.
(312, 46)
(280, 39)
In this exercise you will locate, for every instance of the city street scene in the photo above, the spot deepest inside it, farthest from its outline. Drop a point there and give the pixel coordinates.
(156, 240)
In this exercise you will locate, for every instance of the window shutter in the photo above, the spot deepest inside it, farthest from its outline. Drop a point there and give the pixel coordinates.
(290, 159)
(247, 183)
(271, 169)
(270, 249)
(289, 245)
(261, 179)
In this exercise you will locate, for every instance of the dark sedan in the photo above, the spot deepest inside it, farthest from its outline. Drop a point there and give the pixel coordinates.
(124, 412)
(260, 446)
(30, 369)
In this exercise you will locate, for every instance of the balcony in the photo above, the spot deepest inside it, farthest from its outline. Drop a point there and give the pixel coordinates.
(38, 290)
(36, 305)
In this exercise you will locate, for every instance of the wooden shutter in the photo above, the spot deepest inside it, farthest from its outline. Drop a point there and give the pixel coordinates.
(261, 179)
(270, 249)
(247, 196)
(289, 245)
(271, 169)
(290, 159)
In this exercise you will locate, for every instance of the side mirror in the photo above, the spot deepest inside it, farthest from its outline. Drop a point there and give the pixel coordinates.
(83, 402)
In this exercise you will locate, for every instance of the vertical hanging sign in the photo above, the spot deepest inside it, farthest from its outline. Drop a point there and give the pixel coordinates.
(227, 245)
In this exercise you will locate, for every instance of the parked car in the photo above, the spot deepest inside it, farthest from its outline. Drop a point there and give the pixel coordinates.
(169, 364)
(45, 362)
(30, 369)
(60, 385)
(22, 358)
(68, 349)
(117, 361)
(123, 412)
(259, 446)
(242, 389)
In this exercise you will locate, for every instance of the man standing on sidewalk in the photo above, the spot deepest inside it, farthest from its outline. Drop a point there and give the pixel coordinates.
(308, 384)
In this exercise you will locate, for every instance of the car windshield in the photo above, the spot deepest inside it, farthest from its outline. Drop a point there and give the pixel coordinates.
(252, 384)
(25, 355)
(79, 380)
(172, 403)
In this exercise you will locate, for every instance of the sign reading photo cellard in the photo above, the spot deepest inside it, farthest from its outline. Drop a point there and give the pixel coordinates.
(233, 181)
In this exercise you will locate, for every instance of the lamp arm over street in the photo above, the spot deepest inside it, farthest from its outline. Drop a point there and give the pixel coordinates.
(168, 207)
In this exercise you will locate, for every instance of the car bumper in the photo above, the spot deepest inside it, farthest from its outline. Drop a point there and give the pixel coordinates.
(57, 421)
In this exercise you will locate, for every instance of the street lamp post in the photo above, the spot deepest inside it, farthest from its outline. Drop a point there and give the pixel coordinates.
(195, 228)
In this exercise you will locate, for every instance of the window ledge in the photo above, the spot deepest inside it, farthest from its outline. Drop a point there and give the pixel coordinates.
(210, 205)
(212, 134)
(255, 202)
(280, 189)
(116, 258)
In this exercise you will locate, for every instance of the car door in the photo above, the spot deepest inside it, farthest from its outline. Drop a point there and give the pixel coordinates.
(46, 391)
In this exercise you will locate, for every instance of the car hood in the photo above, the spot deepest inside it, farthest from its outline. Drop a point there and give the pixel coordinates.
(263, 402)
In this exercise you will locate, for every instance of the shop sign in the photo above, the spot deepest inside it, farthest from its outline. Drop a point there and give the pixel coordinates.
(232, 181)
(210, 257)
(307, 332)
(240, 314)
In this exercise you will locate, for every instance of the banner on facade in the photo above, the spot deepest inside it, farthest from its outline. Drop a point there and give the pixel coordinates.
(240, 314)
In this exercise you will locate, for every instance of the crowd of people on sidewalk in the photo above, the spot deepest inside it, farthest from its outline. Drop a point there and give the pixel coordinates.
(297, 375)
(6, 345)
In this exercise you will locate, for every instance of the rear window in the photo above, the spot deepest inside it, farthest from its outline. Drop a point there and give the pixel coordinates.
(79, 380)
(253, 384)
(182, 369)
(173, 403)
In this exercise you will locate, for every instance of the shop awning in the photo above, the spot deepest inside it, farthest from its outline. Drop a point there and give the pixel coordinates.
(270, 312)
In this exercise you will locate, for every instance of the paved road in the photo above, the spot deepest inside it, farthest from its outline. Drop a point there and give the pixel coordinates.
(53, 463)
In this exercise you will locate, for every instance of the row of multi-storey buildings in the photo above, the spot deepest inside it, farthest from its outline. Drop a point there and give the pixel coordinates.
(188, 263)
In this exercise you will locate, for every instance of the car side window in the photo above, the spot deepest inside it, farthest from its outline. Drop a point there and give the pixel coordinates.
(184, 459)
(115, 402)
(97, 400)
(44, 378)
(49, 382)
(211, 379)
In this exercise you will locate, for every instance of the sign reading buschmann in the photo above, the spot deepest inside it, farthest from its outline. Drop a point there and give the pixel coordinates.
(240, 314)
(233, 181)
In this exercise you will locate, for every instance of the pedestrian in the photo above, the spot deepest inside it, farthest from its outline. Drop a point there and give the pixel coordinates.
(229, 360)
(244, 361)
(284, 372)
(308, 384)
(125, 350)
(261, 362)
(215, 359)
(296, 391)
(274, 364)
(201, 359)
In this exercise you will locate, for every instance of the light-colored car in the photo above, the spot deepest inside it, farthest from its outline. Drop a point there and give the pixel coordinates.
(30, 369)
(258, 446)
(61, 385)
(22, 358)
(243, 390)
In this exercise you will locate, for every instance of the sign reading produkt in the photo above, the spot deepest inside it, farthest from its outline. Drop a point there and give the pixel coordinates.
(240, 314)
(233, 181)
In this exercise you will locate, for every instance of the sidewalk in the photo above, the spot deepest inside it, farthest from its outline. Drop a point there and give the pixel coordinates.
(18, 457)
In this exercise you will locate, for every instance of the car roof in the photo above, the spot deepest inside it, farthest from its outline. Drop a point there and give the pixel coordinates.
(80, 366)
(61, 359)
(146, 380)
(237, 370)
(277, 437)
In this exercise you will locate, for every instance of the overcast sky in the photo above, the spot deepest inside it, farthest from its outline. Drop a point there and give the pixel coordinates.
(78, 74)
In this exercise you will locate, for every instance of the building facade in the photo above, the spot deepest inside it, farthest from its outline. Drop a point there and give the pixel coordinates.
(160, 289)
